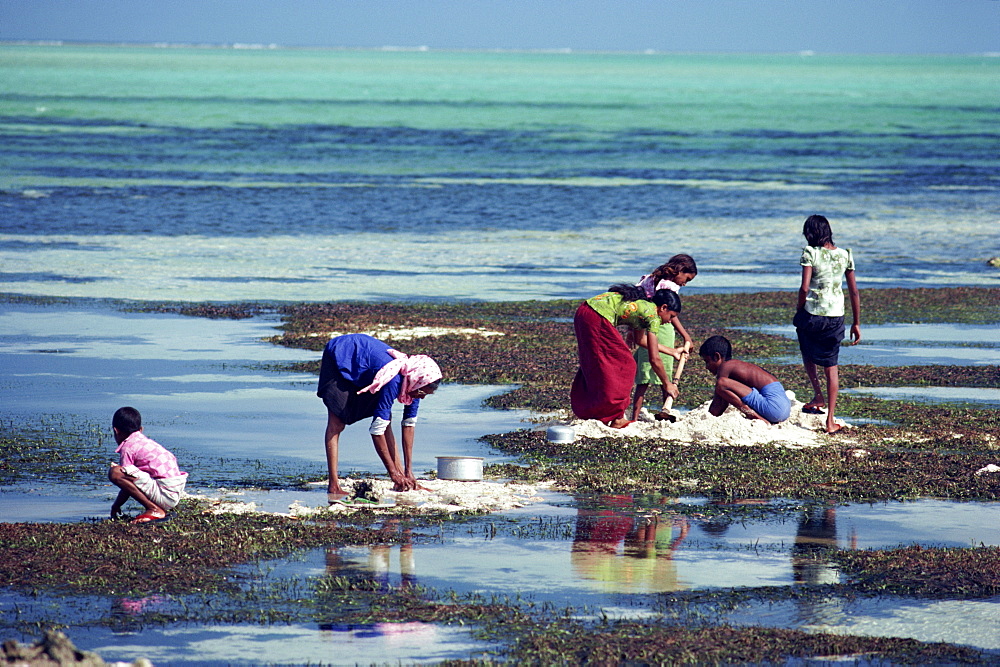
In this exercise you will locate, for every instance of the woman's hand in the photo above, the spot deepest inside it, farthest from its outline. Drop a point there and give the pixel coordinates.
(416, 485)
(406, 482)
(401, 482)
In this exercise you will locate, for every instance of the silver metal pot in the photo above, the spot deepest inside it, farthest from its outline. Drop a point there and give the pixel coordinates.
(461, 468)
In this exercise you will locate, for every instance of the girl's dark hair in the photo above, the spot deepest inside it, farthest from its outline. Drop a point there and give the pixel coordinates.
(668, 298)
(817, 231)
(628, 292)
(717, 345)
(431, 386)
(677, 264)
(127, 420)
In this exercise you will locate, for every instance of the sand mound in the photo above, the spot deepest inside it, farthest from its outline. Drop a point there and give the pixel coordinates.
(730, 428)
(442, 496)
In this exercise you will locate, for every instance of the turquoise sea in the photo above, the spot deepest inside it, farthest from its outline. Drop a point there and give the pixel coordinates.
(276, 174)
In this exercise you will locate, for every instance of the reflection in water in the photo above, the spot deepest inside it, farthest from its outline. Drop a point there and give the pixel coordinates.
(631, 546)
(816, 534)
(127, 614)
(379, 561)
(626, 549)
(717, 526)
(379, 564)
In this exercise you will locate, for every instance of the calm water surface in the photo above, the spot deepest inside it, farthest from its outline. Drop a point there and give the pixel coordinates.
(204, 390)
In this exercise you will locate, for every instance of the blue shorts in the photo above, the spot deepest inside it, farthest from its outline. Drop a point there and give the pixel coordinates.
(770, 402)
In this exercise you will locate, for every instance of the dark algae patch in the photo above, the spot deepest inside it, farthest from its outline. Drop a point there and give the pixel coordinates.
(834, 472)
(187, 554)
(213, 568)
(930, 573)
(631, 643)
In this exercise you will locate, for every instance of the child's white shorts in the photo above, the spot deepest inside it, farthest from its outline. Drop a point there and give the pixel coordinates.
(165, 492)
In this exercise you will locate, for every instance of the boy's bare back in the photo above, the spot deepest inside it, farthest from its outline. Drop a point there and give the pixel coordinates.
(746, 373)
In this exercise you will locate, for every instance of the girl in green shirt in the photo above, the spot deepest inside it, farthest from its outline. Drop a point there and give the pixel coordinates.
(602, 386)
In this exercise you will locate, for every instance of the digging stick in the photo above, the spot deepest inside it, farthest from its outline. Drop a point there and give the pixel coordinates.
(665, 412)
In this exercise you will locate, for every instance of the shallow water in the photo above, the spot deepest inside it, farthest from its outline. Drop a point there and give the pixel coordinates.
(376, 643)
(626, 549)
(605, 562)
(205, 390)
(918, 344)
(966, 622)
(975, 395)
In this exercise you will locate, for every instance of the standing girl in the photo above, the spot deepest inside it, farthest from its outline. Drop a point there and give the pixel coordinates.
(677, 272)
(819, 319)
(603, 384)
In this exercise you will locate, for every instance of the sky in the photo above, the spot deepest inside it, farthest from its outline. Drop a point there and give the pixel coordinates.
(743, 26)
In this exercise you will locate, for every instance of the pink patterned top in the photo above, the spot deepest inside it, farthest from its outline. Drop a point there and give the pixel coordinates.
(148, 455)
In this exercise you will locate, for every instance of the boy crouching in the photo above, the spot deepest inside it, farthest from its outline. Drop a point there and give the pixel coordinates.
(147, 471)
(749, 388)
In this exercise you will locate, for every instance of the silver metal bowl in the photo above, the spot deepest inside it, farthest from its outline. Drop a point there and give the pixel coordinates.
(461, 468)
(559, 433)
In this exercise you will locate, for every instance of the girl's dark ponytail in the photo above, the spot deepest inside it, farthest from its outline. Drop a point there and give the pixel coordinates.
(628, 292)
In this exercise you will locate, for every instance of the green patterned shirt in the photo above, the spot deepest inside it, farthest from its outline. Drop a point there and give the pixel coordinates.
(639, 314)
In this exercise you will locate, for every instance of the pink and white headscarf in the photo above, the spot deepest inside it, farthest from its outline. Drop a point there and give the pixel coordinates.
(646, 283)
(417, 371)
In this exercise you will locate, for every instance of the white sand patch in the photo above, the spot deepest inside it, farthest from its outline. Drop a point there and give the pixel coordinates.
(235, 507)
(446, 496)
(387, 333)
(730, 428)
(223, 503)
(440, 496)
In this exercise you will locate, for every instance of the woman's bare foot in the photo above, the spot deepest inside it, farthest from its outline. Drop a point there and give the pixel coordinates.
(621, 422)
(833, 430)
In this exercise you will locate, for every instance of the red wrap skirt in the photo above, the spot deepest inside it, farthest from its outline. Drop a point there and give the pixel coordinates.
(602, 387)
